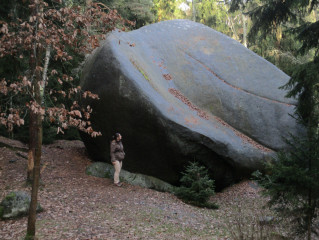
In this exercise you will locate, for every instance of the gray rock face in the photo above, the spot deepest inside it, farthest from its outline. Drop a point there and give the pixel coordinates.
(105, 170)
(180, 91)
(15, 204)
(99, 169)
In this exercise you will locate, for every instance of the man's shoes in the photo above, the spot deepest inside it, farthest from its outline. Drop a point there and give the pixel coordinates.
(118, 184)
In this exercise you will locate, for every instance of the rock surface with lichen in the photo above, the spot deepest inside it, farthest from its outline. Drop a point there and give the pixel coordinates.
(105, 170)
(180, 91)
(15, 204)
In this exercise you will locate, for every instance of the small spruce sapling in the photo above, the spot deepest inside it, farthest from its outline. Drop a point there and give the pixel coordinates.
(196, 186)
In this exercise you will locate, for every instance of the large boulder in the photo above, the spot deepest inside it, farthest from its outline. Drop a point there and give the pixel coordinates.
(179, 91)
(16, 204)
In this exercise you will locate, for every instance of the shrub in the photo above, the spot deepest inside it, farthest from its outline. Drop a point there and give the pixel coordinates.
(196, 186)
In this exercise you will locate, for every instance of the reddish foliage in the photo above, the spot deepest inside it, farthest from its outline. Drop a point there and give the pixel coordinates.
(51, 30)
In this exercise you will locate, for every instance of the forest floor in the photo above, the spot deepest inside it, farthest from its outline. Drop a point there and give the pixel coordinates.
(77, 206)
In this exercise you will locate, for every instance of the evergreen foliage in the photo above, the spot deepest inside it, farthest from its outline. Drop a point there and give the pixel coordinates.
(283, 32)
(214, 15)
(293, 184)
(138, 11)
(293, 177)
(290, 18)
(164, 9)
(305, 85)
(196, 186)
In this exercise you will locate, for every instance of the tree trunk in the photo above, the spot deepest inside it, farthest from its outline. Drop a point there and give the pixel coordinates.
(45, 72)
(36, 139)
(278, 36)
(32, 127)
(309, 217)
(244, 30)
(31, 153)
(232, 27)
(309, 210)
(35, 132)
(194, 10)
(36, 178)
(32, 117)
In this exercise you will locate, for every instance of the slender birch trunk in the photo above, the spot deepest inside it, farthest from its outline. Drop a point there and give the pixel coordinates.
(45, 71)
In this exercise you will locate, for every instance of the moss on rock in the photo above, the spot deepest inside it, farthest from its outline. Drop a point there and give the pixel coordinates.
(16, 204)
(105, 170)
(100, 169)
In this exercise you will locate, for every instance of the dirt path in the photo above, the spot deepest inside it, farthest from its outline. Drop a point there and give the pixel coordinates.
(78, 206)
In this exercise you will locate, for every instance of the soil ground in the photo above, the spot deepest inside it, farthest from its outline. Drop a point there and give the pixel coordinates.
(77, 206)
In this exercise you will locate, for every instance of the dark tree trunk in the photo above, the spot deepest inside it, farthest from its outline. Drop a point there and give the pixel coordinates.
(36, 178)
(36, 139)
(309, 217)
(31, 153)
(309, 210)
(32, 116)
(35, 134)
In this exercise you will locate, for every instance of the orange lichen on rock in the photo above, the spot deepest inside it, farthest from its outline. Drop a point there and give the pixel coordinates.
(244, 137)
(167, 76)
(204, 115)
(185, 100)
(191, 120)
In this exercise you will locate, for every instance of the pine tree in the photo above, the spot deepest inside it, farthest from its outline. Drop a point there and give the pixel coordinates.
(137, 11)
(293, 184)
